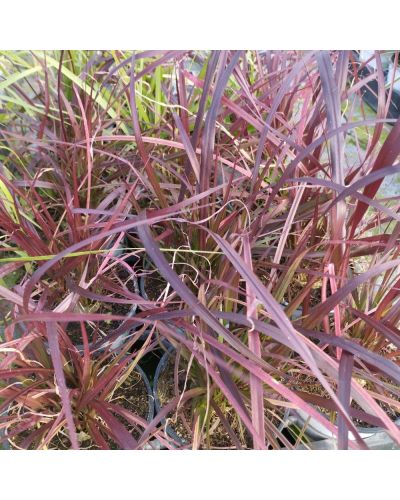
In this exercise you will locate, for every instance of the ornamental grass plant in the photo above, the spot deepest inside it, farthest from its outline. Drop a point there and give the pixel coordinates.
(253, 185)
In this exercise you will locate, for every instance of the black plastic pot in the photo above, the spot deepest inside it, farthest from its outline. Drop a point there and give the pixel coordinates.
(142, 283)
(370, 93)
(150, 414)
(142, 292)
(177, 440)
(376, 438)
(162, 342)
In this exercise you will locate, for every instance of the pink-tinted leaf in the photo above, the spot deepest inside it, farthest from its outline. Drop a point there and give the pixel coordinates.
(55, 353)
(344, 391)
(121, 433)
(256, 389)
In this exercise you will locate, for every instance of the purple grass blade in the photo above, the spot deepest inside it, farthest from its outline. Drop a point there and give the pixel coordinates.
(121, 433)
(344, 390)
(387, 156)
(188, 147)
(191, 300)
(332, 101)
(55, 354)
(382, 364)
(391, 333)
(325, 307)
(256, 389)
(211, 68)
(208, 138)
(298, 67)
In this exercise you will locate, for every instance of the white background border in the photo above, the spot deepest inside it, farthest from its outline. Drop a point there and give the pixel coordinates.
(304, 24)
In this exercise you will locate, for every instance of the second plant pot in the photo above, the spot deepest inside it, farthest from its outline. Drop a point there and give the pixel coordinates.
(322, 438)
(198, 423)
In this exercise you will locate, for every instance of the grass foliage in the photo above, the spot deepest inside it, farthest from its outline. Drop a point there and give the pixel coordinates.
(249, 184)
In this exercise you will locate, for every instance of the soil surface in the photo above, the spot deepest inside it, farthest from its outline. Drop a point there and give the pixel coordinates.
(154, 286)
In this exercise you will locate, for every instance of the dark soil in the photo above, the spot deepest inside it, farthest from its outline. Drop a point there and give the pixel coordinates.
(132, 395)
(149, 361)
(154, 286)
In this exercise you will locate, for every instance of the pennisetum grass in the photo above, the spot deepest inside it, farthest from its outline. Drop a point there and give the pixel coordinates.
(252, 186)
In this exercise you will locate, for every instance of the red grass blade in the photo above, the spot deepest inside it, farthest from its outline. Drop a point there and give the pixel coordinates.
(344, 390)
(55, 353)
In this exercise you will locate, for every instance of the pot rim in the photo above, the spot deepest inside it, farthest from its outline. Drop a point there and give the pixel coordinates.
(157, 404)
(316, 430)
